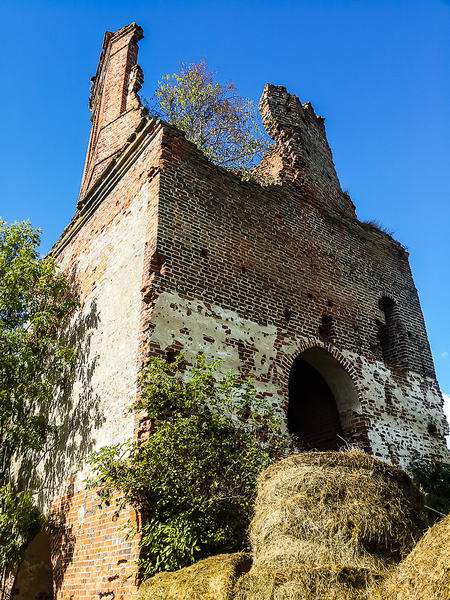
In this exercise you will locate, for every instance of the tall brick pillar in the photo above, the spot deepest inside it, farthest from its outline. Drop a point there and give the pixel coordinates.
(114, 103)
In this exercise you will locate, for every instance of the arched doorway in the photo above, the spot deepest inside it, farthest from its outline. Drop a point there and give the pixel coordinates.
(34, 580)
(322, 401)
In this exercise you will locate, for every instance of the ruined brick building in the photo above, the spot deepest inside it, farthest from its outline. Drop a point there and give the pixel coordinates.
(282, 282)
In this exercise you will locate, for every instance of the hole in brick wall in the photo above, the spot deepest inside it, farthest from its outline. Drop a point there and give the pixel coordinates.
(387, 305)
(158, 263)
(312, 413)
(243, 269)
(326, 329)
(287, 314)
(432, 429)
(391, 335)
(323, 401)
(171, 356)
(204, 253)
(34, 579)
(330, 303)
(310, 296)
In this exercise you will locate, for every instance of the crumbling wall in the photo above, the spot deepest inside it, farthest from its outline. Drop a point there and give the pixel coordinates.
(115, 106)
(251, 275)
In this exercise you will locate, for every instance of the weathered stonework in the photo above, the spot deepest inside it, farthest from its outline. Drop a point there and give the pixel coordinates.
(173, 253)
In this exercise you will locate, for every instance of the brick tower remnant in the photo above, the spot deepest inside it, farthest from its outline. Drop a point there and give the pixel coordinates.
(114, 104)
(282, 282)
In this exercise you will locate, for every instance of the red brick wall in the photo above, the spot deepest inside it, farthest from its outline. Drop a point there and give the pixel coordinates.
(281, 258)
(116, 110)
(94, 550)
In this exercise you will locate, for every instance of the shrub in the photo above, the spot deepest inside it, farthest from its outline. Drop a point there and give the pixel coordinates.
(194, 478)
(36, 304)
(19, 520)
(434, 479)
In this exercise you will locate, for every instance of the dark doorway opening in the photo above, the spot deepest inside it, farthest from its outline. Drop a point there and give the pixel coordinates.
(313, 416)
(34, 579)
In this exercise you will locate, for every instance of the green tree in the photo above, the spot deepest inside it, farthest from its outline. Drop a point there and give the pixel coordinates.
(194, 478)
(223, 124)
(36, 303)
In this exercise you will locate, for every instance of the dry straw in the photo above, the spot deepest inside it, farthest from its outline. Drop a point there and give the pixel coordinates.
(335, 508)
(329, 526)
(210, 579)
(425, 573)
(307, 582)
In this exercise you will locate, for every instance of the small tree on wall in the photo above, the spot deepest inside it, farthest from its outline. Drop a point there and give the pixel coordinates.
(223, 124)
(194, 478)
(36, 303)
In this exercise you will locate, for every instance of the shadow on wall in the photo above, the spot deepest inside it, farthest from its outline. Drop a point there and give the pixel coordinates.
(76, 414)
(62, 538)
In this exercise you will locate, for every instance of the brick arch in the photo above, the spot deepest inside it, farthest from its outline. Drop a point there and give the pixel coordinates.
(389, 296)
(316, 342)
(335, 370)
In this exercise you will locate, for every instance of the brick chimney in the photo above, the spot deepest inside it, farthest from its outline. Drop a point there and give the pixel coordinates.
(115, 106)
(302, 155)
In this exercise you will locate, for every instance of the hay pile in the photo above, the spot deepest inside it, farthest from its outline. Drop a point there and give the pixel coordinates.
(210, 579)
(425, 573)
(329, 525)
(307, 582)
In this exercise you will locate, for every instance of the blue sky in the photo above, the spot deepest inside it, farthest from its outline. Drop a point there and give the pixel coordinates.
(377, 70)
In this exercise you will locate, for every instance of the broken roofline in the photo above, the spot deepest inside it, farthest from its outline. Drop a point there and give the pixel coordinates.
(299, 134)
(301, 156)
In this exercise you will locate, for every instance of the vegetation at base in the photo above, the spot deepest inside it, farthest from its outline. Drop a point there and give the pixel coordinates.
(224, 125)
(19, 520)
(434, 479)
(36, 303)
(194, 477)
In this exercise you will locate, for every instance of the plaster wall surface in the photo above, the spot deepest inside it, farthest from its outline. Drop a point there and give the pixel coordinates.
(108, 260)
(397, 413)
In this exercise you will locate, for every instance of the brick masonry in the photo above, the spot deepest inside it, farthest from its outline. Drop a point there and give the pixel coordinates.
(171, 252)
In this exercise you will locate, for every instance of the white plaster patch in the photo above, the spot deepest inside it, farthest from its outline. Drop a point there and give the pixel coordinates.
(105, 386)
(400, 413)
(212, 330)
